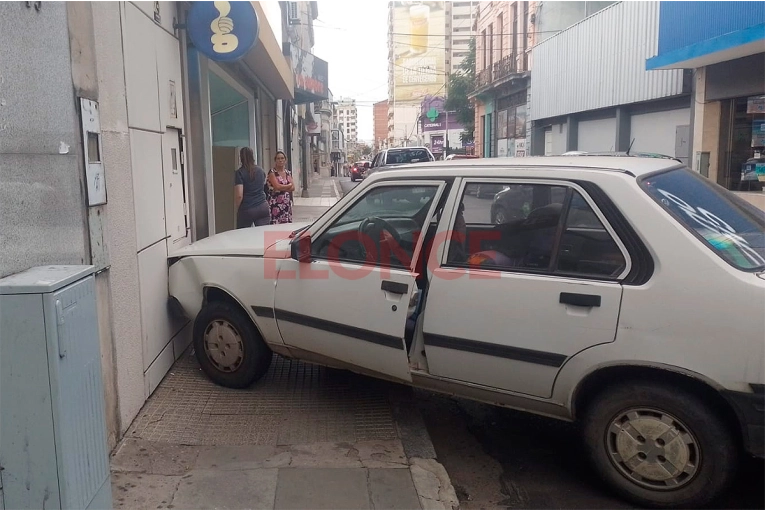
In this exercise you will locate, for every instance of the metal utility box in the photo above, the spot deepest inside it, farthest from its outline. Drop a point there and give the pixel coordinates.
(53, 448)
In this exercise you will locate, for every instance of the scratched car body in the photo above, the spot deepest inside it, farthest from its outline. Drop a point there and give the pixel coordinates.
(618, 294)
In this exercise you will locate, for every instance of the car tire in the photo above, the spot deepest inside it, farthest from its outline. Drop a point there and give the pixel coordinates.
(353, 179)
(239, 356)
(693, 434)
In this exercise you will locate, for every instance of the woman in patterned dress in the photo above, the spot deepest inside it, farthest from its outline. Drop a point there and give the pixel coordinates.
(280, 188)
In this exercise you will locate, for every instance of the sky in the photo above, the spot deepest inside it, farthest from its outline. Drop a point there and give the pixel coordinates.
(353, 38)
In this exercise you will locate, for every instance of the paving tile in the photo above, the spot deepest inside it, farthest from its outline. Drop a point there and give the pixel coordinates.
(137, 490)
(230, 458)
(324, 455)
(138, 455)
(392, 489)
(253, 488)
(238, 430)
(294, 403)
(381, 454)
(318, 489)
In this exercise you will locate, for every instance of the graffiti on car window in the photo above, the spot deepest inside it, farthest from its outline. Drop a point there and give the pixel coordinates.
(715, 230)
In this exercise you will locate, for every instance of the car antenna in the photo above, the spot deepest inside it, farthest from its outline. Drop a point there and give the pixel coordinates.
(630, 147)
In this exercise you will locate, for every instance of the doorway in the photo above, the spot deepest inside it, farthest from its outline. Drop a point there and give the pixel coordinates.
(232, 114)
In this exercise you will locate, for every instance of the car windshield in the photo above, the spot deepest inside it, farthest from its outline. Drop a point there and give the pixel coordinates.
(391, 202)
(728, 225)
(403, 156)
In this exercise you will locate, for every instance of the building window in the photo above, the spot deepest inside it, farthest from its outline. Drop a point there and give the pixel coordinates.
(514, 29)
(461, 16)
(485, 60)
(500, 32)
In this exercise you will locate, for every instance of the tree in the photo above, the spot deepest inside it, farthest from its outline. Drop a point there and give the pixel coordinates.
(461, 84)
(366, 150)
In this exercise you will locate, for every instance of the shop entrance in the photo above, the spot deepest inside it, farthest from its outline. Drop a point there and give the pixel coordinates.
(232, 113)
(743, 144)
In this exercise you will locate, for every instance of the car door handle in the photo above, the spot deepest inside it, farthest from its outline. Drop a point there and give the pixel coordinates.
(394, 287)
(579, 299)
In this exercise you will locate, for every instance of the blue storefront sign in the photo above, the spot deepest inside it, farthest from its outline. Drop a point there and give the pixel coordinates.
(223, 31)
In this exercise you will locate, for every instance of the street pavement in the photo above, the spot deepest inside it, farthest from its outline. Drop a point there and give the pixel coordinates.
(302, 437)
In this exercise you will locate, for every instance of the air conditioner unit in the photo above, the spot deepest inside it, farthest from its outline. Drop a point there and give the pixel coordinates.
(293, 15)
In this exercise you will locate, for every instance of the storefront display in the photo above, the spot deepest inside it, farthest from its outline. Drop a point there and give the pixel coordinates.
(743, 143)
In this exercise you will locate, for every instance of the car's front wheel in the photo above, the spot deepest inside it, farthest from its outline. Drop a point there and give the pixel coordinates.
(660, 446)
(228, 346)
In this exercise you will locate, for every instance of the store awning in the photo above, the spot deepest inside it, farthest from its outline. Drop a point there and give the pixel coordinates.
(730, 46)
(311, 75)
(267, 61)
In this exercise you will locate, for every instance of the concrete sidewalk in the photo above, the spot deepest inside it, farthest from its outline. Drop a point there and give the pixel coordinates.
(303, 437)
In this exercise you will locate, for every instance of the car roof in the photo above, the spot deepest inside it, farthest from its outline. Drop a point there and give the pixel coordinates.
(635, 166)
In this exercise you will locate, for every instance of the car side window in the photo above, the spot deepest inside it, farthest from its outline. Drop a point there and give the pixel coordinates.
(531, 228)
(586, 247)
(381, 228)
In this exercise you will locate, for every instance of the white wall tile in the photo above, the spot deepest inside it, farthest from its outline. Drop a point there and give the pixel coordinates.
(157, 325)
(169, 69)
(148, 186)
(141, 69)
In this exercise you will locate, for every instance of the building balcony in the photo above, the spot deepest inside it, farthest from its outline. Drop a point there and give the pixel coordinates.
(483, 78)
(506, 69)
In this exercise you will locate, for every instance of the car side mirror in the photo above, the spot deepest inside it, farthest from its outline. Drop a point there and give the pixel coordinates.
(301, 248)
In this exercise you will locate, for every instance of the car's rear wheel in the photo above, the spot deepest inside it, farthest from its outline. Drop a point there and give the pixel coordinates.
(658, 446)
(228, 346)
(353, 179)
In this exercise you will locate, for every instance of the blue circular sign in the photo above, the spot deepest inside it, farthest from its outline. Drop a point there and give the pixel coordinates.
(223, 31)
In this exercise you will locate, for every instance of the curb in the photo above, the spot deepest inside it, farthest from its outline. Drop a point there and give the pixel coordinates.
(338, 194)
(431, 481)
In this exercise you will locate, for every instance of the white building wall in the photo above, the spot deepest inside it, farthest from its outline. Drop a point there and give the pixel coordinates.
(655, 132)
(559, 132)
(596, 135)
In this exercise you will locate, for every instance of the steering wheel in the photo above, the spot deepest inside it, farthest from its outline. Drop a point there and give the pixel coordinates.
(371, 229)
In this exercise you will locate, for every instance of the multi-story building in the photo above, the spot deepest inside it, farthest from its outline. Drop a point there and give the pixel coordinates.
(426, 43)
(460, 22)
(163, 120)
(590, 90)
(346, 114)
(722, 43)
(380, 115)
(311, 85)
(505, 35)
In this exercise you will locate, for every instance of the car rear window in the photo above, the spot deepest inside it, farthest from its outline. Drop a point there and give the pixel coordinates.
(406, 156)
(727, 224)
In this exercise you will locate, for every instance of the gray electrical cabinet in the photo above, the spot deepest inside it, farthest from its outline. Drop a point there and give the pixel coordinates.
(53, 448)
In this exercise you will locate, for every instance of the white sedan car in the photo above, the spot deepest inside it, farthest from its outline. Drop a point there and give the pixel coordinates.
(624, 293)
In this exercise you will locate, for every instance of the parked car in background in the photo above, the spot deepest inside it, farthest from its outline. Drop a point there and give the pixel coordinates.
(750, 177)
(359, 170)
(397, 156)
(460, 156)
(620, 293)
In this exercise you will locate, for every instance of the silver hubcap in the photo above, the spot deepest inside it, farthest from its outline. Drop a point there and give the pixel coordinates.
(223, 345)
(653, 449)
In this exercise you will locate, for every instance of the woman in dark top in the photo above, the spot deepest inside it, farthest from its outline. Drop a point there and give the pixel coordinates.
(249, 195)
